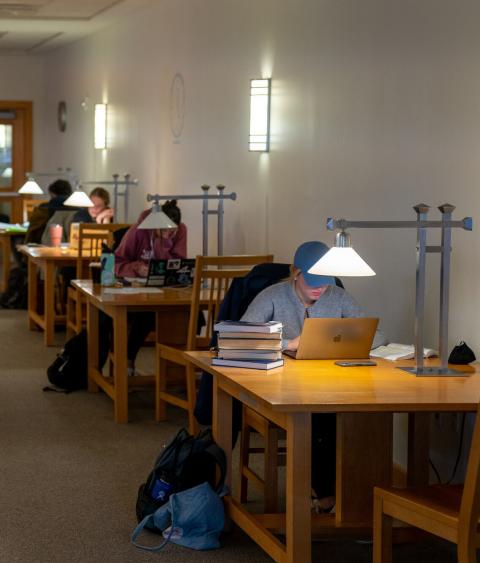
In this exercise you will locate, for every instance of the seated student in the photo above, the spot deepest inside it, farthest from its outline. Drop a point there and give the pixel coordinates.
(132, 259)
(290, 302)
(100, 213)
(59, 191)
(139, 246)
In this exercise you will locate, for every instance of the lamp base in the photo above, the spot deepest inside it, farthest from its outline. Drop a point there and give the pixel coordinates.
(434, 371)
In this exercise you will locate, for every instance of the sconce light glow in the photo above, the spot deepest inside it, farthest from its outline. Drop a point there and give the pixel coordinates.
(31, 188)
(260, 94)
(100, 126)
(78, 199)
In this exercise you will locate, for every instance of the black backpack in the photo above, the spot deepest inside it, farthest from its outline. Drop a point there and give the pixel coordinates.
(187, 461)
(69, 369)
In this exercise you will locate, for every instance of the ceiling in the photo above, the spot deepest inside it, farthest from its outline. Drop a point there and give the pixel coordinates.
(36, 26)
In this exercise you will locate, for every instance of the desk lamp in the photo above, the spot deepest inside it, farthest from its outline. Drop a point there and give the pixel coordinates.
(342, 260)
(78, 198)
(157, 219)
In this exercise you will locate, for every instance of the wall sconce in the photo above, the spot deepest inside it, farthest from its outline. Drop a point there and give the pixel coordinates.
(260, 93)
(100, 126)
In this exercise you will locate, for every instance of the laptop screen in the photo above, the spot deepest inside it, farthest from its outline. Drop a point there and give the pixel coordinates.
(335, 338)
(172, 272)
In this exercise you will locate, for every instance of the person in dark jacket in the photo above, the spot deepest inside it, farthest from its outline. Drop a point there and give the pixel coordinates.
(59, 191)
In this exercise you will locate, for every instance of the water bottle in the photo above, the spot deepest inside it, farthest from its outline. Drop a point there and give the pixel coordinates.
(162, 489)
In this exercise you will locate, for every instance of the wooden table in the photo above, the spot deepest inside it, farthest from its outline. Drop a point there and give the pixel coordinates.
(364, 399)
(172, 308)
(6, 248)
(47, 259)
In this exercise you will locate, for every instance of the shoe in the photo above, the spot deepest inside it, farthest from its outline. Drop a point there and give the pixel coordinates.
(318, 509)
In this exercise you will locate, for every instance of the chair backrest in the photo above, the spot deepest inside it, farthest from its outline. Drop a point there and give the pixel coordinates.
(213, 276)
(29, 205)
(91, 237)
(470, 506)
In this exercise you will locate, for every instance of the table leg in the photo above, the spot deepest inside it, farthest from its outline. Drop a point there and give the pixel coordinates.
(5, 245)
(32, 294)
(92, 344)
(418, 442)
(298, 488)
(222, 425)
(49, 311)
(120, 336)
(364, 459)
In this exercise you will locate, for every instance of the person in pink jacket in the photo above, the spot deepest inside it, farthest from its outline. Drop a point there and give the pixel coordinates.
(139, 246)
(132, 258)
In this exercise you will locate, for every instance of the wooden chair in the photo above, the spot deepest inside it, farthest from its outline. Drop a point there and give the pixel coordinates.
(274, 457)
(448, 511)
(213, 276)
(29, 205)
(90, 239)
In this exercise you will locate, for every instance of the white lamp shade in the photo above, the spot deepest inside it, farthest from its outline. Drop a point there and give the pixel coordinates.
(157, 220)
(341, 262)
(78, 199)
(31, 187)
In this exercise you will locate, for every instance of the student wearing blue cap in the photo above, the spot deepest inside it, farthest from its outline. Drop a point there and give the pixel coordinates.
(290, 302)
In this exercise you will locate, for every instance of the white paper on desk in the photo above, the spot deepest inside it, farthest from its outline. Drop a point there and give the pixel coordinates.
(132, 290)
(395, 351)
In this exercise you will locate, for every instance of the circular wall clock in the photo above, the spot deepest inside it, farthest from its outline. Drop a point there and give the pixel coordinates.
(62, 116)
(177, 105)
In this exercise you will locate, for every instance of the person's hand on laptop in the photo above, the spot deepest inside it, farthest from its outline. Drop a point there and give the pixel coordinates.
(293, 344)
(142, 270)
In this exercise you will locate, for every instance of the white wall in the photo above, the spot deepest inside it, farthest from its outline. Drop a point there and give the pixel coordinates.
(375, 108)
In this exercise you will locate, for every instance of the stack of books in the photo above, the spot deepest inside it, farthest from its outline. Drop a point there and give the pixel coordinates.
(249, 345)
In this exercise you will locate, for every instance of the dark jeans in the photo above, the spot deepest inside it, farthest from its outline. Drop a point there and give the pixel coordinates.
(140, 326)
(324, 438)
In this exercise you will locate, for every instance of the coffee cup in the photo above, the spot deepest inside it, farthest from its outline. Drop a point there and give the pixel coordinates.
(56, 232)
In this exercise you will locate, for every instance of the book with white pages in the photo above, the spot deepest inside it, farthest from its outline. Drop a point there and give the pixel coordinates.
(248, 364)
(249, 344)
(395, 351)
(250, 354)
(251, 335)
(245, 326)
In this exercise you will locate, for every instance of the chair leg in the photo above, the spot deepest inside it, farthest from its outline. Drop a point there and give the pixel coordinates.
(191, 398)
(244, 446)
(382, 532)
(466, 552)
(160, 385)
(271, 471)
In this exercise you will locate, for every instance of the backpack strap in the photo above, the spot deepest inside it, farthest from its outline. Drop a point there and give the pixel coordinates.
(221, 460)
(150, 521)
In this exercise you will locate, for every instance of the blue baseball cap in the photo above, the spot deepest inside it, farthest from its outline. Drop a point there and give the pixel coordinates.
(306, 255)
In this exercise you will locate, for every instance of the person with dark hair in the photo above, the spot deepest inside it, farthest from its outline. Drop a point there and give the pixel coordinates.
(59, 191)
(100, 213)
(132, 259)
(139, 246)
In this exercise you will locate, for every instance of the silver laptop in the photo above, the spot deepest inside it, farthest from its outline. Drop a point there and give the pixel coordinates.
(335, 339)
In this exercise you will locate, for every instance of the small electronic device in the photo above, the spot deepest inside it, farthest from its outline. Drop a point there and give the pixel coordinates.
(353, 363)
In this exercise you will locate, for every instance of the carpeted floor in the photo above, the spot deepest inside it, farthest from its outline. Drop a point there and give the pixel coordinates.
(70, 474)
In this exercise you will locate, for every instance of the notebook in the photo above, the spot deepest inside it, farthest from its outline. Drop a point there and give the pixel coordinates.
(175, 271)
(335, 339)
